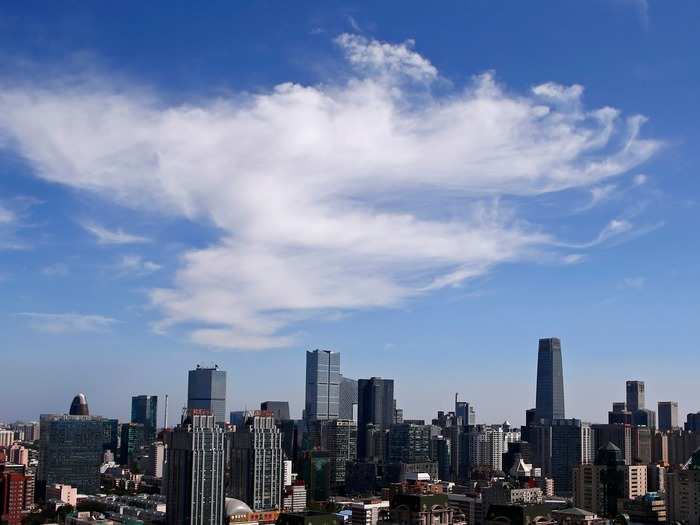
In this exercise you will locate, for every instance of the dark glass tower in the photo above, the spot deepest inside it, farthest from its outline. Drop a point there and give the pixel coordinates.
(375, 407)
(144, 410)
(550, 381)
(206, 389)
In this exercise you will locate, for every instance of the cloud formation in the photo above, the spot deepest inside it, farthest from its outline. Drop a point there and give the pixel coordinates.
(67, 323)
(334, 197)
(119, 236)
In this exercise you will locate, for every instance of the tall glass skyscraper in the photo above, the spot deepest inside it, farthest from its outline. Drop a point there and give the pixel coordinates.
(206, 388)
(375, 406)
(144, 410)
(550, 381)
(322, 385)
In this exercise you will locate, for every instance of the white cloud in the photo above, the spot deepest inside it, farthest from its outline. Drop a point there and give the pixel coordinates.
(374, 56)
(6, 216)
(68, 322)
(328, 197)
(640, 179)
(119, 236)
(137, 264)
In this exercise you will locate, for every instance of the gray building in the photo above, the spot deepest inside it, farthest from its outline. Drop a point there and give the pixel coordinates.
(348, 398)
(256, 463)
(668, 415)
(280, 409)
(375, 407)
(409, 443)
(322, 385)
(206, 389)
(635, 395)
(550, 381)
(144, 410)
(194, 471)
(467, 412)
(70, 451)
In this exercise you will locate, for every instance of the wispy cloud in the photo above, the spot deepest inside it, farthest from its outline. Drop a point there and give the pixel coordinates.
(67, 322)
(295, 180)
(6, 216)
(118, 236)
(137, 264)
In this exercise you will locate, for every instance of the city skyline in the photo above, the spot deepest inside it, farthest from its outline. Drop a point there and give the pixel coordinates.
(181, 193)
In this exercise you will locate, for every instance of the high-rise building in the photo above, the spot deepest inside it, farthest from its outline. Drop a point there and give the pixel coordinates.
(279, 409)
(206, 389)
(156, 459)
(601, 486)
(79, 406)
(668, 415)
(619, 435)
(322, 385)
(692, 422)
(144, 410)
(409, 443)
(348, 398)
(486, 445)
(342, 446)
(635, 395)
(375, 406)
(11, 496)
(133, 441)
(683, 492)
(194, 477)
(70, 451)
(550, 381)
(571, 445)
(465, 411)
(256, 463)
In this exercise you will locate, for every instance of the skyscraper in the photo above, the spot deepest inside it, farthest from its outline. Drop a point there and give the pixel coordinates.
(144, 410)
(194, 474)
(635, 395)
(206, 389)
(466, 411)
(348, 398)
(668, 415)
(322, 385)
(280, 409)
(550, 381)
(572, 445)
(70, 451)
(375, 406)
(257, 462)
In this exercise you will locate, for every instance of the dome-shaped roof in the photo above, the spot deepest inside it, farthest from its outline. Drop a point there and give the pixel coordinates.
(235, 506)
(79, 406)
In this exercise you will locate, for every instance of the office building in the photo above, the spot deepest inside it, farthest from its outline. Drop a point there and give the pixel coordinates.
(194, 477)
(79, 406)
(619, 435)
(692, 422)
(649, 508)
(635, 395)
(256, 463)
(294, 499)
(7, 437)
(342, 446)
(550, 381)
(279, 409)
(571, 446)
(409, 443)
(683, 492)
(375, 398)
(133, 441)
(315, 471)
(642, 444)
(70, 451)
(156, 459)
(466, 412)
(206, 390)
(144, 411)
(64, 493)
(348, 398)
(486, 445)
(668, 415)
(322, 385)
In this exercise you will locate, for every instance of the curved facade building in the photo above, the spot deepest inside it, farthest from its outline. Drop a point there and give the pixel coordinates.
(79, 406)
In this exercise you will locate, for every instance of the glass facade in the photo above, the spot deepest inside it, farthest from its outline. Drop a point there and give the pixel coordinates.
(550, 381)
(322, 385)
(206, 388)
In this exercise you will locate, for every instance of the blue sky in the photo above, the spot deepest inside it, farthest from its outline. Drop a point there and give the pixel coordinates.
(428, 191)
